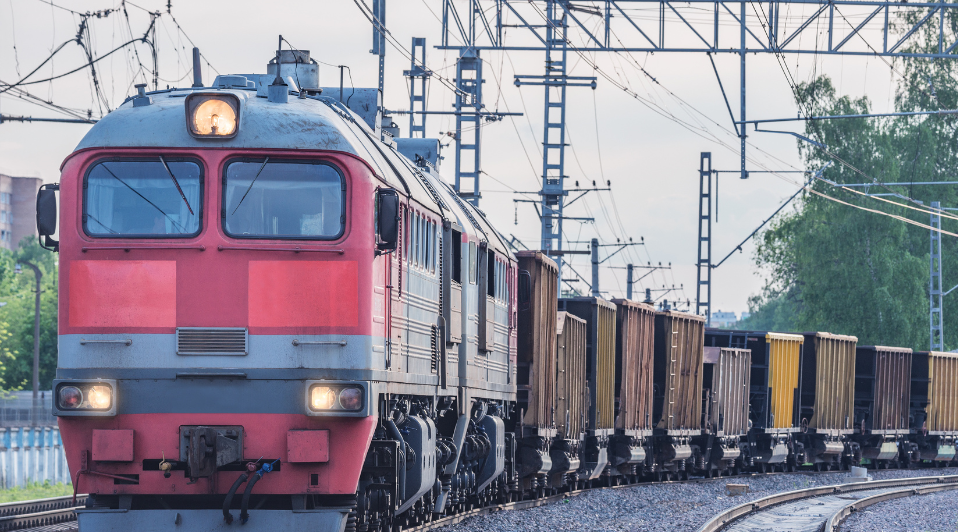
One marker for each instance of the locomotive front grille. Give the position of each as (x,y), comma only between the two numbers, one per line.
(212,341)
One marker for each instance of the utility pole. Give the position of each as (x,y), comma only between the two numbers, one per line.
(628,283)
(36,340)
(595,268)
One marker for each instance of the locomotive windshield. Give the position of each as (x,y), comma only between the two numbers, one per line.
(143,198)
(273,199)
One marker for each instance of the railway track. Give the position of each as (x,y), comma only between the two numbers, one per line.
(40,514)
(523,505)
(822,508)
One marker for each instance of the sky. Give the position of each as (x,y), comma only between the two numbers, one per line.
(647,142)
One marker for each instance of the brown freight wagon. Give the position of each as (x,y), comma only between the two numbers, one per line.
(882,396)
(572,393)
(725,384)
(827,399)
(677,372)
(934,406)
(634,352)
(726,376)
(572,386)
(599,316)
(535,363)
(536,349)
(677,396)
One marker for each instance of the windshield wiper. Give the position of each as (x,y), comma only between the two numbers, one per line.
(102,224)
(177,183)
(260,171)
(137,192)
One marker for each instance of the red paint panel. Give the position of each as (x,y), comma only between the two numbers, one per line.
(113,445)
(129,293)
(265,435)
(307,446)
(303,294)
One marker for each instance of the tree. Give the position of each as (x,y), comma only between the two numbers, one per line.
(833,267)
(17,317)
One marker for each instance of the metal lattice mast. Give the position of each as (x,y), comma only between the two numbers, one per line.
(555,81)
(379,39)
(468,123)
(417,87)
(934,282)
(704,264)
(553,136)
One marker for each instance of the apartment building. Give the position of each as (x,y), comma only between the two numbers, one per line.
(18,209)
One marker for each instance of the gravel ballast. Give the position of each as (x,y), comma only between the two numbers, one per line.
(670,507)
(935,512)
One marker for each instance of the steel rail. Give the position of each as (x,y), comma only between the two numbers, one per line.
(730,516)
(37,513)
(838,517)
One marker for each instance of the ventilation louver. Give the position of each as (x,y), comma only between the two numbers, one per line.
(211,341)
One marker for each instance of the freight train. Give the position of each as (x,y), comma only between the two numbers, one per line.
(274,315)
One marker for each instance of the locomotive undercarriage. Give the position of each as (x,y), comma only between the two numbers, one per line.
(427,459)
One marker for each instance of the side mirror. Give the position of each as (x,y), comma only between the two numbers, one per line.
(47,216)
(387,221)
(525,290)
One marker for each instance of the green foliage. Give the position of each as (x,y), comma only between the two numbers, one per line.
(34,491)
(17,316)
(832,267)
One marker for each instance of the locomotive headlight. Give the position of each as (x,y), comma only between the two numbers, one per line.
(351,398)
(100,397)
(84,398)
(212,115)
(325,398)
(70,397)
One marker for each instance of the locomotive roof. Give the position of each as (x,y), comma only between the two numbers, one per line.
(311,123)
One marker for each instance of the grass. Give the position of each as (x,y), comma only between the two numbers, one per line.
(35,490)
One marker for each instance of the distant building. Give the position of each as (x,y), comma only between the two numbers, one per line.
(744,316)
(18,209)
(722,319)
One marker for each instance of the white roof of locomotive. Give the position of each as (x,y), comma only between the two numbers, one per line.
(312,123)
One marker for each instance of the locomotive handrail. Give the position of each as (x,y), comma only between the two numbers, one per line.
(210,375)
(126,342)
(296,249)
(319,342)
(128,248)
(727,517)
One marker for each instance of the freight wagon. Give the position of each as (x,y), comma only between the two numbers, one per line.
(725,387)
(934,406)
(826,401)
(599,316)
(635,323)
(882,396)
(677,396)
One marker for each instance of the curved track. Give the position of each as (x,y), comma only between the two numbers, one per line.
(822,508)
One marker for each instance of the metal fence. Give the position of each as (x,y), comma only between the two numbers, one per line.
(16,410)
(31,454)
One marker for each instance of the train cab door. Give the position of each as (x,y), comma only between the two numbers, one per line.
(452,289)
(486,297)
